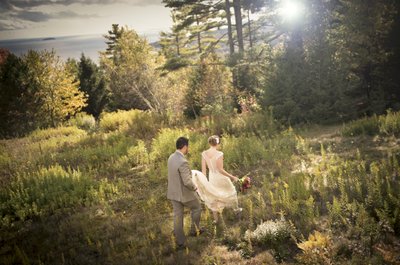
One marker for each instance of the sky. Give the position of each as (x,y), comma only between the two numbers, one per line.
(53,18)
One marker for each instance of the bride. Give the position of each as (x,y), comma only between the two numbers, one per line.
(218,191)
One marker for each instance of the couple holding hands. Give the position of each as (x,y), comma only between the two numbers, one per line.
(185,186)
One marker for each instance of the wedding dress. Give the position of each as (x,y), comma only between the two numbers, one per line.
(218,192)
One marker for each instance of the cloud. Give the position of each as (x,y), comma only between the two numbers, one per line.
(11,25)
(27,4)
(20,19)
(18,14)
(37,16)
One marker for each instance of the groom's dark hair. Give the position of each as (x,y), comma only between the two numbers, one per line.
(181,142)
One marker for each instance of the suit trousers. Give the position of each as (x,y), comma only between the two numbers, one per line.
(195,208)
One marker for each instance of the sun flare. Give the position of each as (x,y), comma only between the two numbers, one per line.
(291,10)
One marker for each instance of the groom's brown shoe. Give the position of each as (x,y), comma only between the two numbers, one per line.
(198,232)
(180,247)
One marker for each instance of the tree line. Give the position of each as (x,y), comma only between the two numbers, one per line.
(336,62)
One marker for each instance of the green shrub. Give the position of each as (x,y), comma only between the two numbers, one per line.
(271,232)
(5,158)
(242,152)
(62,131)
(164,145)
(316,250)
(137,123)
(83,121)
(114,121)
(49,189)
(284,145)
(390,123)
(137,155)
(254,123)
(29,152)
(364,126)
(97,154)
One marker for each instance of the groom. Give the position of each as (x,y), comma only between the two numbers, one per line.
(182,191)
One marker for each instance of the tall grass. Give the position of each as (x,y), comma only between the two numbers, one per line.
(62,131)
(126,218)
(388,124)
(48,190)
(83,121)
(136,123)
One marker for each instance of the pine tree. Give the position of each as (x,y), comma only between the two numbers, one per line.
(16,106)
(174,46)
(359,32)
(112,38)
(93,84)
(200,18)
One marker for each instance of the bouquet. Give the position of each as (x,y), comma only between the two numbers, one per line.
(244,183)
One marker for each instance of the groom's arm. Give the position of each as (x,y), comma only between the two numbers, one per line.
(186,175)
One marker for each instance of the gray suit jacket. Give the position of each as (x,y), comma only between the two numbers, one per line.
(180,185)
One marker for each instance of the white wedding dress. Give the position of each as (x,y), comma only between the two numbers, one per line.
(218,192)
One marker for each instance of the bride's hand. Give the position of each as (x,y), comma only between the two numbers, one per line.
(234,179)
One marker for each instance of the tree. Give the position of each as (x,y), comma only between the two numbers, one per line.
(16,104)
(359,33)
(54,90)
(131,74)
(92,83)
(238,21)
(209,89)
(36,91)
(113,35)
(174,46)
(4,53)
(391,78)
(200,18)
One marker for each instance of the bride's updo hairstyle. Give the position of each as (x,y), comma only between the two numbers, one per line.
(214,140)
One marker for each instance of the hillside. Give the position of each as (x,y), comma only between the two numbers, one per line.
(96,193)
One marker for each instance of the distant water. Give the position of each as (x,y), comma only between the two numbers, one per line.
(65,47)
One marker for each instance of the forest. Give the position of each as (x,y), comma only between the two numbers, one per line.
(305,97)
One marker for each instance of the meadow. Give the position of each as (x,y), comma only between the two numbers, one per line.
(94,192)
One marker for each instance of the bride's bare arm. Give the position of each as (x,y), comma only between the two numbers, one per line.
(220,167)
(203,166)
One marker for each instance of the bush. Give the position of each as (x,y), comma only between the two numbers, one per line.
(254,123)
(284,145)
(5,164)
(83,121)
(316,250)
(271,233)
(242,151)
(390,123)
(136,156)
(45,134)
(140,124)
(364,126)
(164,145)
(49,189)
(99,153)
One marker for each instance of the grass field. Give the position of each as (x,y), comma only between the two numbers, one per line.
(96,194)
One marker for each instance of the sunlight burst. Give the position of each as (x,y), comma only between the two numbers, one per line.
(291,10)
